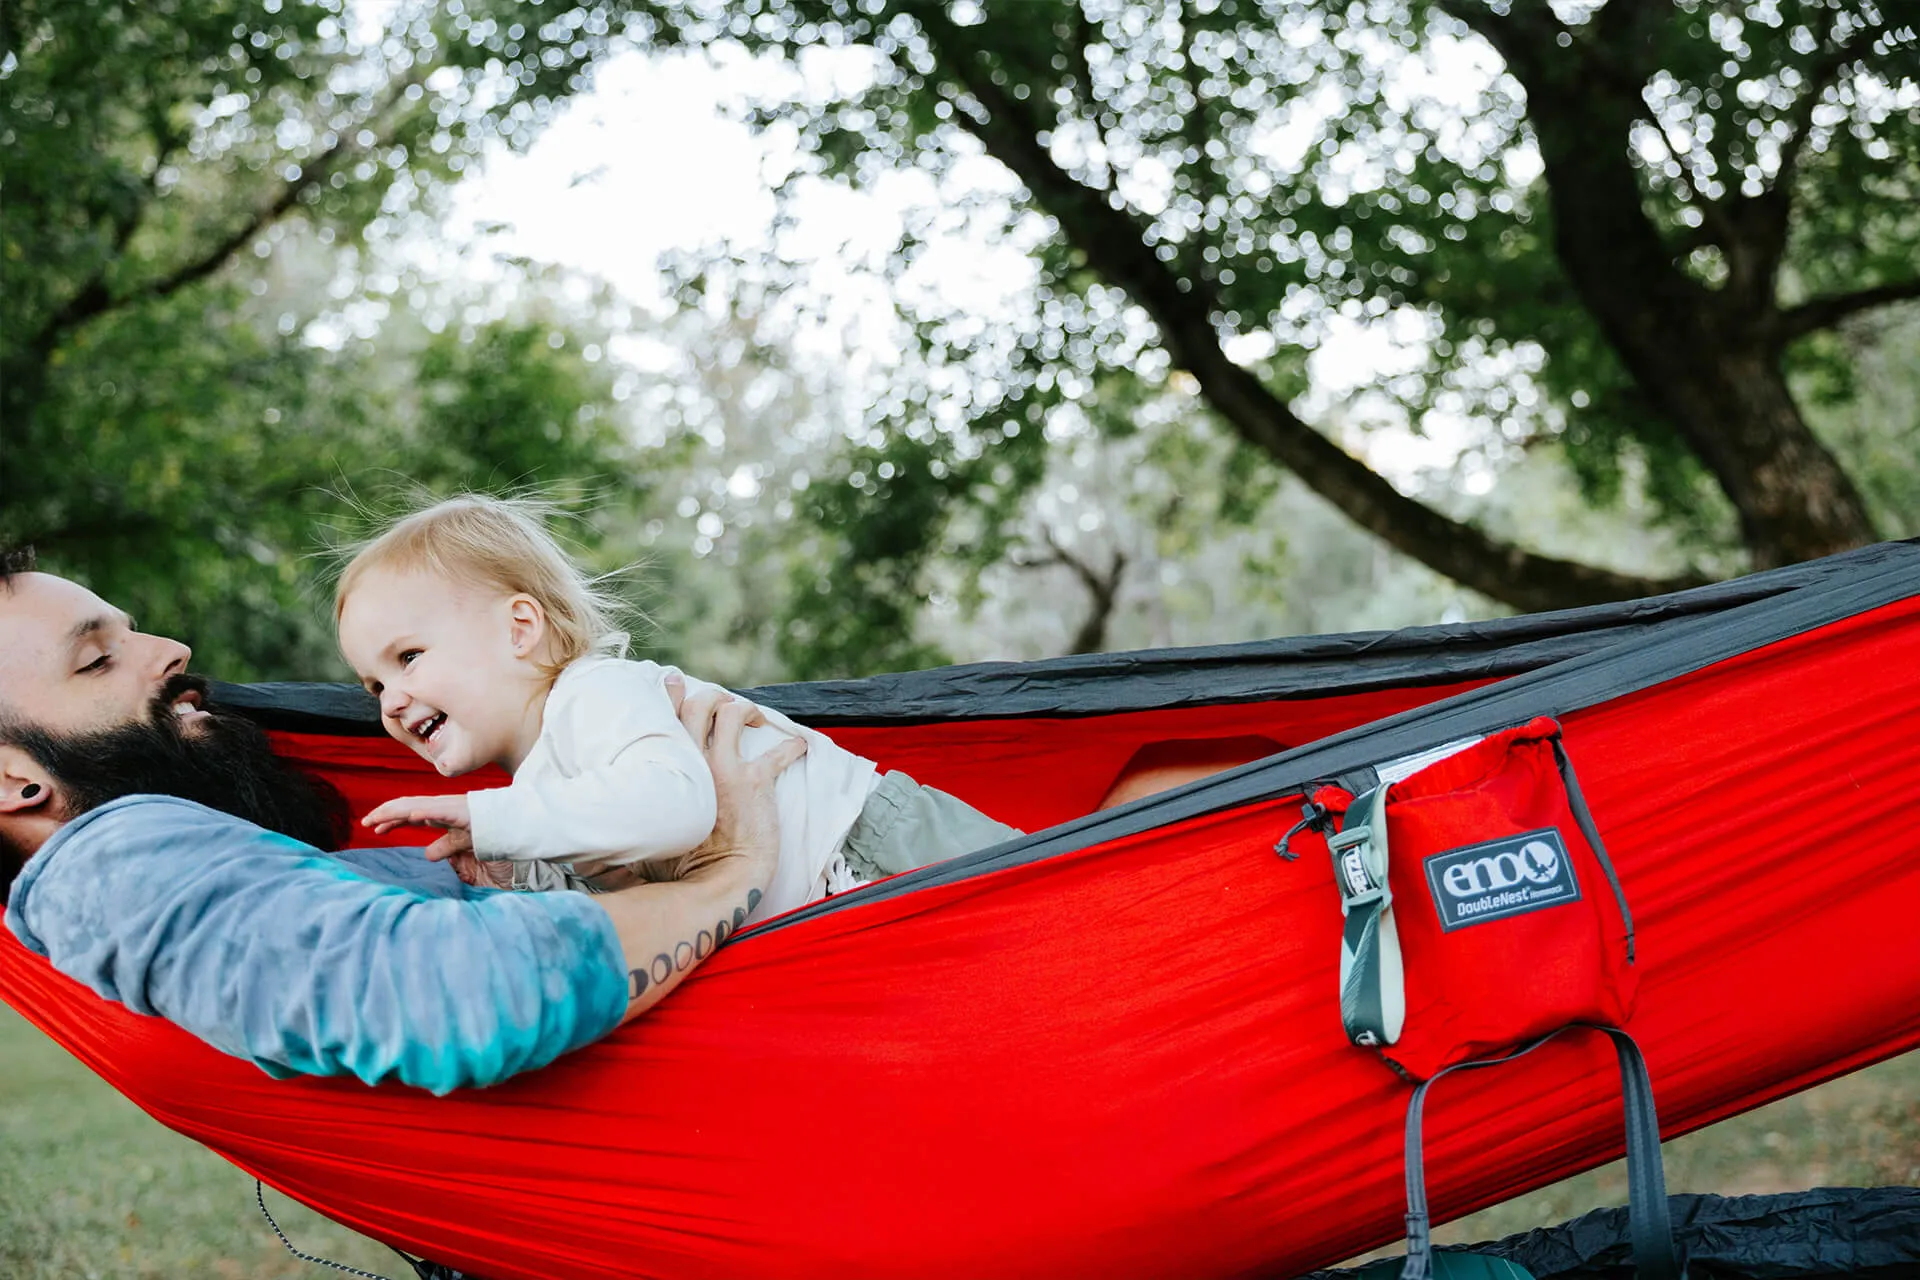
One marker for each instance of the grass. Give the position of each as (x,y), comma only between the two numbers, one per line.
(91,1189)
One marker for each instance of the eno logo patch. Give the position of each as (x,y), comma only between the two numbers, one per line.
(1501,878)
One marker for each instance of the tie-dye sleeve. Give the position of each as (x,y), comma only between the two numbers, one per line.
(305,963)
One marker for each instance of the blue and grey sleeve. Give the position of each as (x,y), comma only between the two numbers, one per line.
(379,966)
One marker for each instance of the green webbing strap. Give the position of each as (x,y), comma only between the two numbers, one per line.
(1373,993)
(1648,1223)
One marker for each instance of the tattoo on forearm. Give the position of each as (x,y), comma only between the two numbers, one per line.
(684,955)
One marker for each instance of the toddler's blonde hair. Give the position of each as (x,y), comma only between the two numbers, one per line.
(502,543)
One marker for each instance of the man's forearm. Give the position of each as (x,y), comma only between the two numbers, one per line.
(666,930)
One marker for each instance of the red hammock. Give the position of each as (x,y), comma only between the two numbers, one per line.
(1115,1049)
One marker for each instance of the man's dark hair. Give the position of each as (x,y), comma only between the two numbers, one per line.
(16,560)
(12,856)
(12,859)
(12,560)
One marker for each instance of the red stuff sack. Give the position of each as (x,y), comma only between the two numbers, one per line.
(1482,910)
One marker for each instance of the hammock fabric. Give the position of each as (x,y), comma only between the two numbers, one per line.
(1114,1048)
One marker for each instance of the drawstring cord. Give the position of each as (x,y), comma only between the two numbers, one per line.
(1316,817)
(260,1198)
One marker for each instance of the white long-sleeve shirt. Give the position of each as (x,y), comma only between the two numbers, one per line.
(616,779)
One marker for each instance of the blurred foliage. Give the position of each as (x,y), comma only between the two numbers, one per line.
(183,395)
(210,347)
(1272,175)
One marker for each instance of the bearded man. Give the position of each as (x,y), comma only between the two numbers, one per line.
(154,849)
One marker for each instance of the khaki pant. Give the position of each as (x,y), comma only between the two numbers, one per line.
(905,825)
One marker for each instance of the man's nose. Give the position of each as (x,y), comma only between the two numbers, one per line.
(169,657)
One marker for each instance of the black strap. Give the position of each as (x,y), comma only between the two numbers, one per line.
(1648,1223)
(1585,818)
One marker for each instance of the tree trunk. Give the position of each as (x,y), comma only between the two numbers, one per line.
(1710,359)
(1794,501)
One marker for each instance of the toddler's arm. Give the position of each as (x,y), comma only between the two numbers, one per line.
(642,790)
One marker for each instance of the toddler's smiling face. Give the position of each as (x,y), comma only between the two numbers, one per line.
(455,666)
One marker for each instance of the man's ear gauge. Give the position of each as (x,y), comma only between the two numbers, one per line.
(29,791)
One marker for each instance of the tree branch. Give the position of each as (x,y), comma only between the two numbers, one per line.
(1183,309)
(1476,18)
(1718,223)
(1083,33)
(1614,61)
(1200,172)
(264,217)
(1820,74)
(1526,32)
(1104,587)
(1094,580)
(96,299)
(1758,225)
(95,296)
(23,376)
(1824,313)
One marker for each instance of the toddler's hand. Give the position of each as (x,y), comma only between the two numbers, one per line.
(483,874)
(449,812)
(457,843)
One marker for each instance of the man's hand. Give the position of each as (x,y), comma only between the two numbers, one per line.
(447,812)
(748,823)
(667,929)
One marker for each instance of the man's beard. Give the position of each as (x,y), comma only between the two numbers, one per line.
(223,761)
